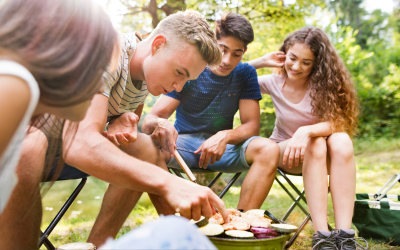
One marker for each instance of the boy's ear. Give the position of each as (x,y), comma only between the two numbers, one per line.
(158,43)
(245,50)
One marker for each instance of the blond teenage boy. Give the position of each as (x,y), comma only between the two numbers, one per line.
(178,50)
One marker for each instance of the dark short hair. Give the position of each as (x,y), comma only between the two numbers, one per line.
(235,25)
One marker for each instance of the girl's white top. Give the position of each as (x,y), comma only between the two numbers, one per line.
(9,159)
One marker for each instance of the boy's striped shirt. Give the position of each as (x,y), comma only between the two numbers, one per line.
(123,94)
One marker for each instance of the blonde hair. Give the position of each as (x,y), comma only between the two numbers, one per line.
(191,28)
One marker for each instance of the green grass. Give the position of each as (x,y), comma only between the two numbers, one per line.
(377,161)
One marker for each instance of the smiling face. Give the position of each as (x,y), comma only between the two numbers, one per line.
(232,53)
(169,68)
(299,62)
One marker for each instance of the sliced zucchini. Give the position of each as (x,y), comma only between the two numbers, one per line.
(200,223)
(212,229)
(239,234)
(284,228)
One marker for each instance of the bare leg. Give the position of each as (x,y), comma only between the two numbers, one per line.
(314,169)
(342,178)
(118,202)
(20,221)
(315,178)
(263,155)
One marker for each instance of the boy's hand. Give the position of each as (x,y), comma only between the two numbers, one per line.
(165,135)
(192,200)
(123,130)
(274,59)
(212,149)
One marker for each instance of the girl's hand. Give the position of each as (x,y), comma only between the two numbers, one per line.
(296,147)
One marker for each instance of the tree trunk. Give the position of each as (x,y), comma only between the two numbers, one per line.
(152,9)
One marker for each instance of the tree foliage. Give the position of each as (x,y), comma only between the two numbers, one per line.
(367,42)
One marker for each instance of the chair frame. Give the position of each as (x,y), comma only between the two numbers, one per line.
(44,235)
(224,191)
(296,202)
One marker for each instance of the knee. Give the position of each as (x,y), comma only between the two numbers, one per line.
(265,150)
(145,149)
(317,147)
(340,145)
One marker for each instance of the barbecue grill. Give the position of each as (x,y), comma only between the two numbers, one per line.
(224,242)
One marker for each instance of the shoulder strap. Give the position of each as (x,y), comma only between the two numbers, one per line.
(138,36)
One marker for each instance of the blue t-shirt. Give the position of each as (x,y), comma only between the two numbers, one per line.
(209,103)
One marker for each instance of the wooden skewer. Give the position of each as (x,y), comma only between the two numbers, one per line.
(185,168)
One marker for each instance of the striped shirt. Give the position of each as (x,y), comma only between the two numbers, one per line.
(123,94)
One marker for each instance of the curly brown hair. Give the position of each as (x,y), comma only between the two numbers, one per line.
(334,97)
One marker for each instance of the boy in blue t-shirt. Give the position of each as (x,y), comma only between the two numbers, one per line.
(203,133)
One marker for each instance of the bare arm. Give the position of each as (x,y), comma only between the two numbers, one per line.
(94,154)
(213,148)
(270,60)
(319,129)
(249,111)
(13,108)
(162,131)
(296,148)
(163,109)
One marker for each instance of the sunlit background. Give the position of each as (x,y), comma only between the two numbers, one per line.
(366,34)
(116,9)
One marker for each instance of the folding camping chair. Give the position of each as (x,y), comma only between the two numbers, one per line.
(223,192)
(44,235)
(296,202)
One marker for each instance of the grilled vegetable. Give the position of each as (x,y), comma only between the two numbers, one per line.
(239,234)
(200,223)
(284,228)
(261,230)
(212,229)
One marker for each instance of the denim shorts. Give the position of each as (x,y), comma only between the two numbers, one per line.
(232,161)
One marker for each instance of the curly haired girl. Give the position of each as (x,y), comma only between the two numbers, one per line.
(316,109)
